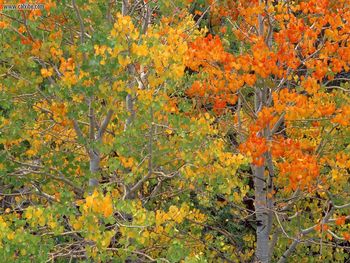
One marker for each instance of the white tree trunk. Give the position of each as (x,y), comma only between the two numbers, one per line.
(262,215)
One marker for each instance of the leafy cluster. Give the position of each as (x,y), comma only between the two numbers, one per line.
(175,131)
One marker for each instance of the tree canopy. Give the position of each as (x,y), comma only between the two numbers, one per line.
(175,131)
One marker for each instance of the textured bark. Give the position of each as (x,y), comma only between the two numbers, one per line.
(129,102)
(262,216)
(94,161)
(262,186)
(125,7)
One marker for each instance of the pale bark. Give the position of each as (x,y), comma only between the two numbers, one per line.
(262,215)
(125,7)
(95,135)
(263,184)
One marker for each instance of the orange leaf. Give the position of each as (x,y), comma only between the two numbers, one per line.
(340,221)
(346,236)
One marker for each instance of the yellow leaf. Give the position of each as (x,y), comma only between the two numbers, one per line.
(107,206)
(42,221)
(141,50)
(168,131)
(52,224)
(77,225)
(46,73)
(124,61)
(11,235)
(38,213)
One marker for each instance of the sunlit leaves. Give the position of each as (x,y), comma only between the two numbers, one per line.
(178,182)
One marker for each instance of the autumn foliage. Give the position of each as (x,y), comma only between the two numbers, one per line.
(175,131)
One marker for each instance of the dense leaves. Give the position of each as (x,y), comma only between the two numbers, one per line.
(175,131)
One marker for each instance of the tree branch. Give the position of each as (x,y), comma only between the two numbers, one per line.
(104,124)
(82,29)
(92,121)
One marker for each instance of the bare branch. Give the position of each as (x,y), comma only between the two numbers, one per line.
(82,29)
(278,123)
(92,120)
(104,124)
